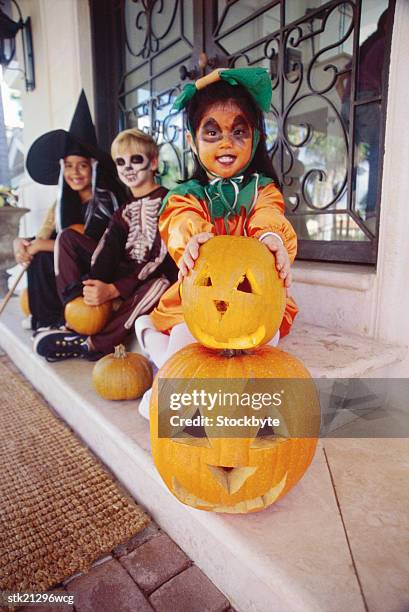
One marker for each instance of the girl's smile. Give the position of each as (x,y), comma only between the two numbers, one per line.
(224,140)
(77,172)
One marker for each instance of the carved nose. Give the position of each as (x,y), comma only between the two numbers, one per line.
(221,306)
(231,478)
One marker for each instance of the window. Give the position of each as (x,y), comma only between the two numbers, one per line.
(328,63)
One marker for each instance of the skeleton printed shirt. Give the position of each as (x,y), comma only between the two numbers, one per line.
(131,249)
(142,219)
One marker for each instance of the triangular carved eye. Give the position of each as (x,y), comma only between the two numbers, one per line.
(244,285)
(269,436)
(197,431)
(193,435)
(204,281)
(266,430)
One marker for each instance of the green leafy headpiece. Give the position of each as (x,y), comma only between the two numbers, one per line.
(256,80)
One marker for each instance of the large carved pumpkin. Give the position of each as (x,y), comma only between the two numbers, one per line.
(86,319)
(236,475)
(233,297)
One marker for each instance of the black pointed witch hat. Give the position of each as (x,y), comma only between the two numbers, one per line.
(82,127)
(43,158)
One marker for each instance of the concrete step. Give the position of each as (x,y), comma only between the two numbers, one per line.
(293,556)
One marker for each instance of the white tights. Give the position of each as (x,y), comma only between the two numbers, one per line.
(160,347)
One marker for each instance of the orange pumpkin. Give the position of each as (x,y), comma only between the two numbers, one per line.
(233,298)
(241,474)
(86,319)
(78,227)
(24,304)
(122,375)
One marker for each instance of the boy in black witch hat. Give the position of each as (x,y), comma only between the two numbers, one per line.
(88,195)
(129,262)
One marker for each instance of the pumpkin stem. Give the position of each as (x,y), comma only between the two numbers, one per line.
(120,352)
(234,352)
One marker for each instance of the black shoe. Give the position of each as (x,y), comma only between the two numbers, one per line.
(48,328)
(62,345)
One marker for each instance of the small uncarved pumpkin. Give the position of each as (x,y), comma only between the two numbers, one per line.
(24,305)
(233,298)
(234,474)
(122,375)
(78,227)
(86,319)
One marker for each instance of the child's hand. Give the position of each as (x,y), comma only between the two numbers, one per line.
(192,253)
(97,292)
(36,246)
(283,263)
(21,253)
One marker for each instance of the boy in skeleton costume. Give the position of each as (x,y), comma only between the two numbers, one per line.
(129,262)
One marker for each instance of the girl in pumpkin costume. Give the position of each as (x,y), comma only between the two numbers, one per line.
(232,191)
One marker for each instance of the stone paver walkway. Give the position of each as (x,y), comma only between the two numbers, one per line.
(149,572)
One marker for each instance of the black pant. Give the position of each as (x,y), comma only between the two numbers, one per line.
(74,252)
(45,305)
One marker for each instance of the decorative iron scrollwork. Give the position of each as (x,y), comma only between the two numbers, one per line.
(304,75)
(312,130)
(164,49)
(144,22)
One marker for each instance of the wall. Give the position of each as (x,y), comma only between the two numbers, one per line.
(392,291)
(354,298)
(63,65)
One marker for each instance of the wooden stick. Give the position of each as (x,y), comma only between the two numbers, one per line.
(208,79)
(11,291)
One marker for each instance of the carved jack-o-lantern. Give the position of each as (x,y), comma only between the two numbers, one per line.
(233,297)
(236,475)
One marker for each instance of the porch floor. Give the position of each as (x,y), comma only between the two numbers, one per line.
(337,541)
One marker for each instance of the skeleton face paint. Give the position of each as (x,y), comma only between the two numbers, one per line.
(134,170)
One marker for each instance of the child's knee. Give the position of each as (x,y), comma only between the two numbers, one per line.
(70,237)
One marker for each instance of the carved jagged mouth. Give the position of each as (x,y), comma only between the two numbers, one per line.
(241,342)
(257,503)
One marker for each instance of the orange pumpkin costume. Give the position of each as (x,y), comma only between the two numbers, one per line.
(186,216)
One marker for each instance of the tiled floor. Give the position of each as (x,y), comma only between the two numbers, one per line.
(371,482)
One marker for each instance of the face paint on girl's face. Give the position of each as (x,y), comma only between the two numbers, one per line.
(224,140)
(133,169)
